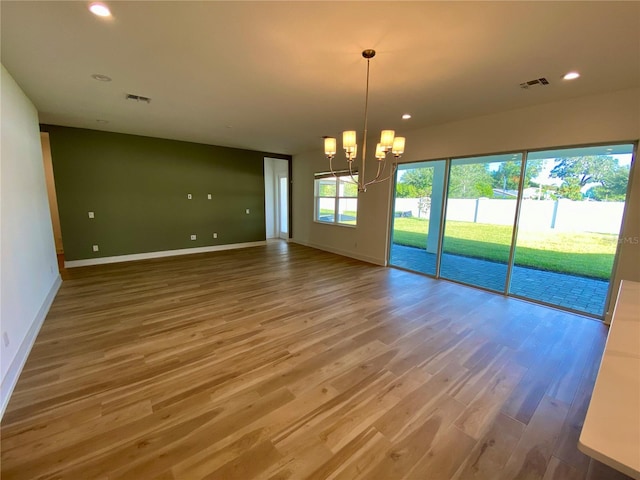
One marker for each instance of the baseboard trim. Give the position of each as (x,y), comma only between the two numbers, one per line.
(165,253)
(13,373)
(343,253)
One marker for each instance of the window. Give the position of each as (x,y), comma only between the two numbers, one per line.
(336,199)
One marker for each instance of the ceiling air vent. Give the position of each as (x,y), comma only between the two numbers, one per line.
(532,83)
(138,98)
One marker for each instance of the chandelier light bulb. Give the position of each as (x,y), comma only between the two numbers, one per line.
(330,146)
(386,139)
(398,146)
(352,153)
(348,140)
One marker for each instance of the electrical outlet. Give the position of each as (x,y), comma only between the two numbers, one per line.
(208,196)
(5,339)
(215,235)
(91,215)
(247,211)
(95,248)
(193,237)
(189,197)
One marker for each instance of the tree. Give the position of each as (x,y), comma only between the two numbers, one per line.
(585,169)
(579,172)
(613,187)
(570,189)
(507,175)
(470,181)
(405,191)
(415,183)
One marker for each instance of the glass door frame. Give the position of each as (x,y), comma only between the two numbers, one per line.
(517,217)
(516,223)
(443,208)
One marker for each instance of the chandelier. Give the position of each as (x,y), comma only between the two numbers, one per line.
(388,143)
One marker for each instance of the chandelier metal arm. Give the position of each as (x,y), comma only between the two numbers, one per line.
(352,177)
(388,143)
(381,167)
(335,174)
(361,184)
(391,174)
(331,167)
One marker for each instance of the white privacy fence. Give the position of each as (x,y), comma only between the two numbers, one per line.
(567,215)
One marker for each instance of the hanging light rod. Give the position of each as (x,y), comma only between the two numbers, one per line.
(388,143)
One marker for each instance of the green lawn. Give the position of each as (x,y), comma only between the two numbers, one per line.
(349,213)
(580,253)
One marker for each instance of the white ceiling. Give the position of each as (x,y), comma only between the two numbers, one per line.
(276,76)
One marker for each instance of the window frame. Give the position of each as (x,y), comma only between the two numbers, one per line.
(343,177)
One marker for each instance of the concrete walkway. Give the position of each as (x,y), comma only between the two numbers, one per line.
(569,291)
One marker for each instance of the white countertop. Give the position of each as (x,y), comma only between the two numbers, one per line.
(611,431)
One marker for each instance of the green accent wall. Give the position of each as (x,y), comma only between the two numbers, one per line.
(138,186)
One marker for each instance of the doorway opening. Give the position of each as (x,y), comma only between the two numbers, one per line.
(276,204)
(53,199)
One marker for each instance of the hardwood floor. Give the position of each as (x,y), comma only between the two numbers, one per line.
(284,362)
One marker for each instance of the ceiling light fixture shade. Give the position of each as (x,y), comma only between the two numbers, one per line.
(388,143)
(330,146)
(398,146)
(100,9)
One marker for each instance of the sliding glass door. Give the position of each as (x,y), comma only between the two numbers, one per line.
(539,225)
(415,231)
(570,218)
(478,227)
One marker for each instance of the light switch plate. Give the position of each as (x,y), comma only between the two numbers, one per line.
(91,215)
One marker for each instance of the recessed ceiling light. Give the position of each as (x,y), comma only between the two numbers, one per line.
(100,120)
(100,9)
(100,77)
(406,116)
(571,76)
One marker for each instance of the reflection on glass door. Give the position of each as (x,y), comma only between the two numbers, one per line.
(570,218)
(417,212)
(480,214)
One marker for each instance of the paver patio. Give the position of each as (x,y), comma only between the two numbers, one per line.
(569,291)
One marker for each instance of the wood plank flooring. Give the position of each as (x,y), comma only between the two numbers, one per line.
(284,362)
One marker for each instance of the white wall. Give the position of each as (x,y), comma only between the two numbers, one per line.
(608,117)
(29,277)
